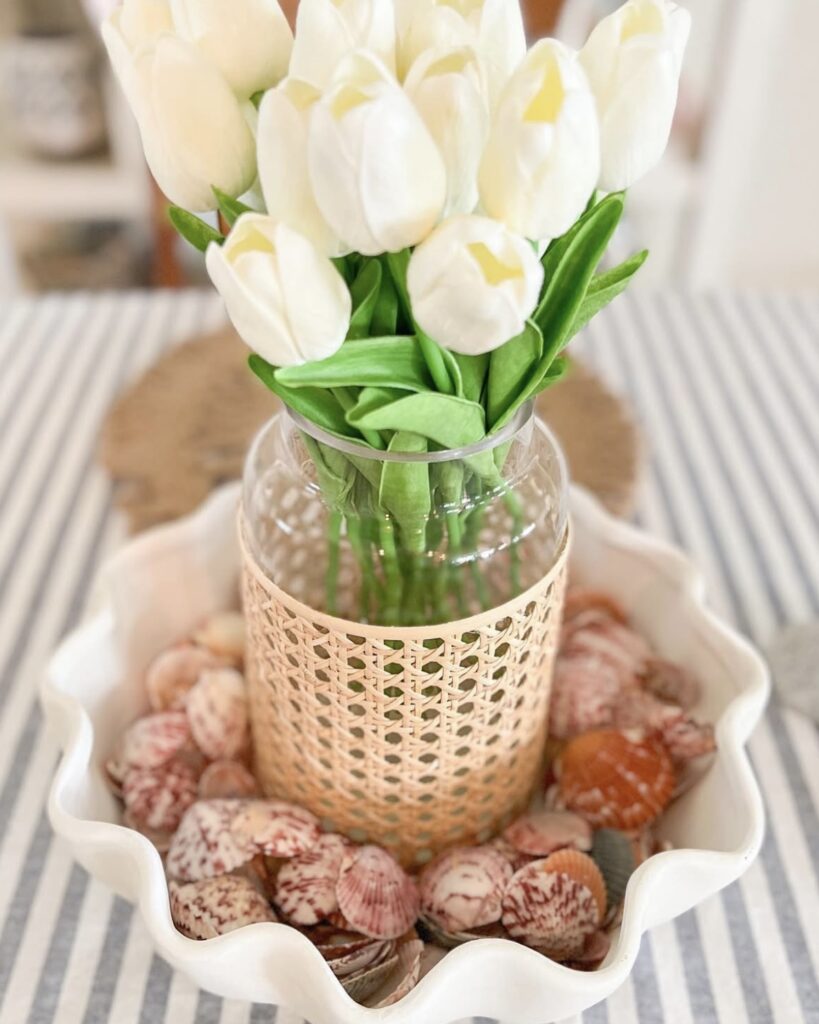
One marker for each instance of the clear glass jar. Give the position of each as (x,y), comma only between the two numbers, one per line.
(403,538)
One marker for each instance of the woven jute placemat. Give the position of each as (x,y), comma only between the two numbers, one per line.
(184,428)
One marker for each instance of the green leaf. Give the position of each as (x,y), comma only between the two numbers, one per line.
(473,374)
(398,263)
(385,315)
(404,490)
(370,362)
(510,370)
(558,248)
(606,287)
(231,209)
(193,229)
(336,477)
(449,421)
(364,292)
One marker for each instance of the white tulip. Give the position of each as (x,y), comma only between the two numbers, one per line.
(493,27)
(633,60)
(142,21)
(327,30)
(194,130)
(285,298)
(284,116)
(448,88)
(542,160)
(377,175)
(472,284)
(249,41)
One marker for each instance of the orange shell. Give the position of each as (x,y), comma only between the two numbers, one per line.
(614,780)
(583,870)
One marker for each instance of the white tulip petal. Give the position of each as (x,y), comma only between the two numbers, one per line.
(327,30)
(143,21)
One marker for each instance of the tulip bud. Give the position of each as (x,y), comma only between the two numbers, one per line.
(472,284)
(448,88)
(194,130)
(326,30)
(285,298)
(142,21)
(377,175)
(249,41)
(633,60)
(542,160)
(281,147)
(493,27)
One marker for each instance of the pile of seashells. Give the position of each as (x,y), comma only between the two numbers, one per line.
(622,746)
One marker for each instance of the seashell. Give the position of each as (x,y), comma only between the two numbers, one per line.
(404,977)
(262,872)
(217,713)
(615,780)
(583,870)
(306,885)
(671,683)
(542,832)
(585,689)
(613,853)
(275,828)
(687,740)
(550,911)
(157,798)
(684,738)
(463,888)
(225,779)
(205,845)
(610,641)
(375,894)
(594,952)
(368,980)
(153,740)
(115,770)
(506,850)
(161,840)
(173,673)
(584,599)
(223,634)
(433,932)
(215,906)
(347,951)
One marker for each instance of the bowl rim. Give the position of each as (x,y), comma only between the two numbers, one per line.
(65,709)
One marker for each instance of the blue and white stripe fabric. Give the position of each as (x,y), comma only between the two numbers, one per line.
(726,390)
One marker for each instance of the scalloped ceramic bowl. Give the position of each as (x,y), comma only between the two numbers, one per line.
(160,585)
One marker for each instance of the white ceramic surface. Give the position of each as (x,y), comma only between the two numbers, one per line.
(161,584)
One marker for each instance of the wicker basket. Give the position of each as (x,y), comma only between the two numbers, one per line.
(416,739)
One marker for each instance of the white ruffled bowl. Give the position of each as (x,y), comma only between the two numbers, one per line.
(163,583)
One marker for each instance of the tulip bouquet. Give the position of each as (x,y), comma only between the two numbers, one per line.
(415,209)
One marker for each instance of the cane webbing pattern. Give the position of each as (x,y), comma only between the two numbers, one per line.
(415,739)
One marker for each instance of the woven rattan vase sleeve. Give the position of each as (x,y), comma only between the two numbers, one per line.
(415,739)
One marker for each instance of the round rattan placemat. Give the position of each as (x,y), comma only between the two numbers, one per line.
(184,427)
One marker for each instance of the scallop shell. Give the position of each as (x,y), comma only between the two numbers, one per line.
(542,832)
(223,634)
(275,828)
(174,672)
(463,888)
(215,906)
(508,852)
(683,737)
(433,932)
(687,740)
(615,780)
(217,712)
(594,952)
(225,779)
(583,870)
(347,952)
(549,910)
(161,840)
(404,977)
(613,852)
(672,683)
(584,599)
(153,740)
(375,894)
(205,845)
(157,798)
(624,649)
(585,689)
(306,885)
(368,980)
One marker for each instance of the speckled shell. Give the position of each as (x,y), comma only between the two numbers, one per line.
(174,672)
(549,910)
(626,651)
(306,885)
(684,738)
(215,906)
(275,828)
(583,870)
(368,980)
(153,740)
(687,740)
(542,832)
(217,713)
(403,978)
(594,952)
(161,840)
(463,888)
(157,798)
(223,634)
(225,779)
(205,845)
(671,683)
(585,689)
(613,852)
(375,894)
(615,780)
(347,952)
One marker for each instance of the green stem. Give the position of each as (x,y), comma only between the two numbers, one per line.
(357,544)
(333,557)
(455,538)
(512,502)
(346,400)
(434,359)
(392,573)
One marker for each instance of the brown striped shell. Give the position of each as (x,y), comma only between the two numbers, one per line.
(463,888)
(154,739)
(205,845)
(215,906)
(275,828)
(306,885)
(157,798)
(218,715)
(375,895)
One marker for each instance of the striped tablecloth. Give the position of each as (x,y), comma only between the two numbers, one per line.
(726,389)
